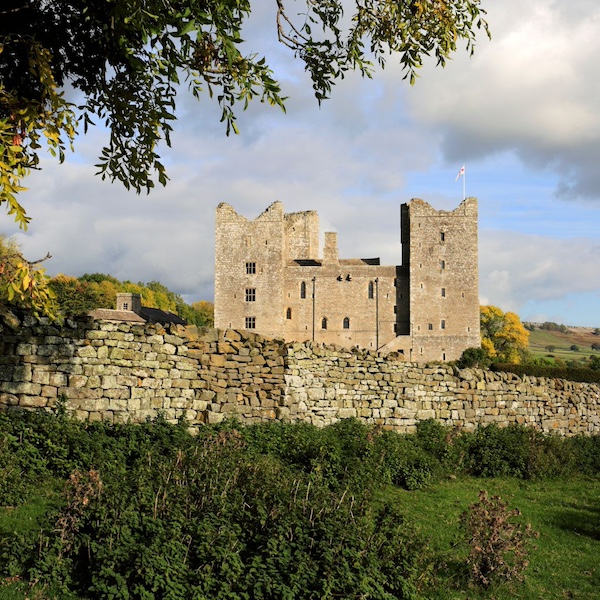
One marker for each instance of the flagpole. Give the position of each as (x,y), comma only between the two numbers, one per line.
(464,184)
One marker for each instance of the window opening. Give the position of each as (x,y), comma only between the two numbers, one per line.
(250,268)
(346,323)
(250,322)
(303,290)
(324,323)
(250,294)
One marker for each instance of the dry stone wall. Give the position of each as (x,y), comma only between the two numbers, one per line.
(124,371)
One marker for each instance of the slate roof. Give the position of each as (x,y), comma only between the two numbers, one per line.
(110,314)
(148,315)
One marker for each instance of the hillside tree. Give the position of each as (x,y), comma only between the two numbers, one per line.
(126,60)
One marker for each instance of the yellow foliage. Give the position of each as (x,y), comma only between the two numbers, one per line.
(503,335)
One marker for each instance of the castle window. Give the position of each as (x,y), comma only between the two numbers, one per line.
(288,313)
(346,323)
(371,290)
(442,236)
(430,326)
(303,290)
(395,310)
(250,295)
(443,356)
(442,264)
(443,324)
(250,322)
(125,305)
(324,323)
(443,292)
(250,268)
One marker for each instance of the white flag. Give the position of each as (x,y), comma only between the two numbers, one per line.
(460,173)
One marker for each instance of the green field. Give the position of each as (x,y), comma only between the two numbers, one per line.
(583,337)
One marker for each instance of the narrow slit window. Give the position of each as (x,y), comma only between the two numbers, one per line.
(324,323)
(346,323)
(288,313)
(371,290)
(303,289)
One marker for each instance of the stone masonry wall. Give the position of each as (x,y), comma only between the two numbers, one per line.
(124,371)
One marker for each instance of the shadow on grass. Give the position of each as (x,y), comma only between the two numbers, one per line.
(580,520)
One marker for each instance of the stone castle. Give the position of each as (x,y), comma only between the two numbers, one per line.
(271,278)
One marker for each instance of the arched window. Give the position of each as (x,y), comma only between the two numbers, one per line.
(288,313)
(324,323)
(303,290)
(371,290)
(346,323)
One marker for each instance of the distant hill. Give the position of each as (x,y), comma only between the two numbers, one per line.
(582,337)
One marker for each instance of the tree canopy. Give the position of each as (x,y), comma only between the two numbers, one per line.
(76,296)
(502,335)
(127,60)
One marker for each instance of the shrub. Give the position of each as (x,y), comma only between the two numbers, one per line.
(474,358)
(497,542)
(516,451)
(218,521)
(399,460)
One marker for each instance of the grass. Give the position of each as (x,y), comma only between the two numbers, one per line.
(564,563)
(540,340)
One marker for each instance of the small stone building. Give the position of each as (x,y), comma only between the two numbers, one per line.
(130,309)
(271,277)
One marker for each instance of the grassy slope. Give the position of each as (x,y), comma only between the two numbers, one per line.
(583,337)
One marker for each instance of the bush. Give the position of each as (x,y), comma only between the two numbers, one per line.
(474,358)
(560,371)
(516,451)
(497,542)
(398,460)
(219,521)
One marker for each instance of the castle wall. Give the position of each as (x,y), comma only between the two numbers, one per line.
(363,294)
(125,371)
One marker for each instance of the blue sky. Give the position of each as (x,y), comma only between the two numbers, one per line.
(521,114)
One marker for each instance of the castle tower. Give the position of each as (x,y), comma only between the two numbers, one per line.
(249,269)
(439,252)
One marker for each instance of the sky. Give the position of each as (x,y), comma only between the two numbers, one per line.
(522,115)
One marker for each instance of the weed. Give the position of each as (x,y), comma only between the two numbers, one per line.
(497,542)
